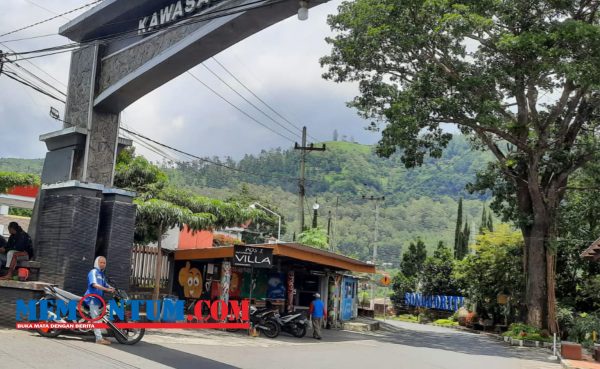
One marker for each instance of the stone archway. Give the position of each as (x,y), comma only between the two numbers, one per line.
(129,48)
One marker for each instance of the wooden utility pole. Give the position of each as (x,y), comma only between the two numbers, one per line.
(301,189)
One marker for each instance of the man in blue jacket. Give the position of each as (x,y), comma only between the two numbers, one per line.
(318,313)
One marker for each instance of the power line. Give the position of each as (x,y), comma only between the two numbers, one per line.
(206,160)
(30,38)
(16,78)
(46,9)
(256,96)
(35,66)
(237,108)
(134,33)
(40,80)
(49,19)
(248,101)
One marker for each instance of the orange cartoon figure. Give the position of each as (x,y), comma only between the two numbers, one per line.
(191,281)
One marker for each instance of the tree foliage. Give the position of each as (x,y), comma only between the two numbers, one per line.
(495,268)
(488,67)
(316,237)
(437,273)
(413,259)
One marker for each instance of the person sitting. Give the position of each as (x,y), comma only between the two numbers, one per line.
(19,247)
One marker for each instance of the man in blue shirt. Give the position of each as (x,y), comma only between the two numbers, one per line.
(97,285)
(318,313)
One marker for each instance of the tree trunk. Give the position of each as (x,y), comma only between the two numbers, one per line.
(536,286)
(156,292)
(551,283)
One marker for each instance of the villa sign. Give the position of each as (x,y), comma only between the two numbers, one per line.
(173,12)
(256,257)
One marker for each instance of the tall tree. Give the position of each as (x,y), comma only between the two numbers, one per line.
(412,261)
(437,274)
(457,231)
(484,220)
(520,77)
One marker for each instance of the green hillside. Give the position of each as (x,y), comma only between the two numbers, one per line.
(418,202)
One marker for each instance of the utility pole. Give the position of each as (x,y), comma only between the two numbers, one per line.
(301,189)
(329,230)
(1,61)
(376,199)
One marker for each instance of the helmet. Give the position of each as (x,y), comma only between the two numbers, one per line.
(317,295)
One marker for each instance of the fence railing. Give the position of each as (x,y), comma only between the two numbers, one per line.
(143,265)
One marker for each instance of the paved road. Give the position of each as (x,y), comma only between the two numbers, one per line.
(398,346)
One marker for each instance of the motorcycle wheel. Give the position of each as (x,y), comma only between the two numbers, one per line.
(49,333)
(299,331)
(133,336)
(272,329)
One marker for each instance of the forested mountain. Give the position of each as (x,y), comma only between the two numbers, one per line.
(419,202)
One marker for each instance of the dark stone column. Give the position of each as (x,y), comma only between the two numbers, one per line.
(115,235)
(66,234)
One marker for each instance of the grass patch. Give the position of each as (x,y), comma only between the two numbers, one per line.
(446,322)
(406,318)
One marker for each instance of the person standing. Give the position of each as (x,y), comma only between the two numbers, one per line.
(97,285)
(318,313)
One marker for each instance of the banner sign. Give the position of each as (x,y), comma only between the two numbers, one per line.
(249,256)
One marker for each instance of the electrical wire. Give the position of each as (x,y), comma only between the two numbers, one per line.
(46,9)
(249,102)
(134,33)
(49,19)
(35,66)
(204,159)
(237,108)
(254,94)
(16,78)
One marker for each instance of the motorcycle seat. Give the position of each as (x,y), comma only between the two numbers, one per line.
(67,295)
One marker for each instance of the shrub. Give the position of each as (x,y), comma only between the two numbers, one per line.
(582,328)
(522,331)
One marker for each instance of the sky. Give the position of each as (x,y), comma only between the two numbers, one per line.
(279,64)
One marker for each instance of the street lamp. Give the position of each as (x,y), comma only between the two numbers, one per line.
(315,209)
(303,10)
(254,205)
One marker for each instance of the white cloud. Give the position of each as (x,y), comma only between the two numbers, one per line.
(280,64)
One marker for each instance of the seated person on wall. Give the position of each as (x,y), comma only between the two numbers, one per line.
(19,247)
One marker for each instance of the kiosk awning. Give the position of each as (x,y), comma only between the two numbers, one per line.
(290,250)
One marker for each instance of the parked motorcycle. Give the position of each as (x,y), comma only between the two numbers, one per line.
(264,320)
(294,323)
(128,336)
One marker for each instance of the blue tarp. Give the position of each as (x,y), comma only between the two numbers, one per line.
(451,303)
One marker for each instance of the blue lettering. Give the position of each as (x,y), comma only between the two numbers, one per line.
(153,310)
(170,307)
(115,308)
(66,309)
(135,309)
(29,310)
